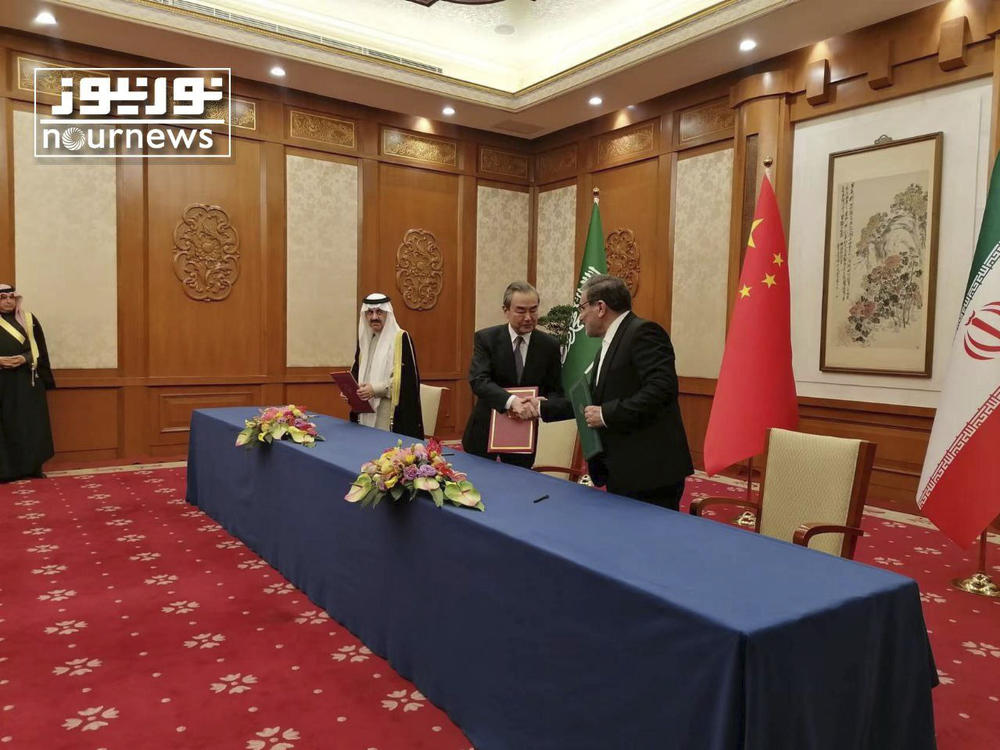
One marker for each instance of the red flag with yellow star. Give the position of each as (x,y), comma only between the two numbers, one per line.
(756,388)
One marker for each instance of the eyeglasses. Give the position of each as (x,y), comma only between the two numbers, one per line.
(583,306)
(7,295)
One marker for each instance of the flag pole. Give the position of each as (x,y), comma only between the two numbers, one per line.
(748,519)
(980,582)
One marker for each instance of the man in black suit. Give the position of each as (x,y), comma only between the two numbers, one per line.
(511,355)
(635,409)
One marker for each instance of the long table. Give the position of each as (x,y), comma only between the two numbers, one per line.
(586,620)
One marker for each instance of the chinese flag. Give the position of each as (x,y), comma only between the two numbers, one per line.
(756,388)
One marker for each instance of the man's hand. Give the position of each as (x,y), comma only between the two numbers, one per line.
(523,408)
(366,391)
(593,416)
(11,362)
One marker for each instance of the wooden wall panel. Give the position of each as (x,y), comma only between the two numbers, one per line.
(172,407)
(629,201)
(317,398)
(189,337)
(96,408)
(411,198)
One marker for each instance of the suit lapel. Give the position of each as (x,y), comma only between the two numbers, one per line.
(612,351)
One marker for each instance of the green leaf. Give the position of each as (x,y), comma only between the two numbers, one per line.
(463,493)
(396,492)
(438,497)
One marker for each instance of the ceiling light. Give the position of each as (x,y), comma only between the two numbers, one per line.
(278,72)
(595,101)
(448,111)
(45,19)
(747,44)
(505,29)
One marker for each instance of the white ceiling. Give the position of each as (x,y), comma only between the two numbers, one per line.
(528,83)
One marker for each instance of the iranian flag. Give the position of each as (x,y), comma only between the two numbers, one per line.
(960,484)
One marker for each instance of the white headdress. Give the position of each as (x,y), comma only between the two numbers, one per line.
(380,370)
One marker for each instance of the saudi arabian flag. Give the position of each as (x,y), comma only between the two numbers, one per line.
(960,484)
(580,348)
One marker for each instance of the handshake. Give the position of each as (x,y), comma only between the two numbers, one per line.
(525,408)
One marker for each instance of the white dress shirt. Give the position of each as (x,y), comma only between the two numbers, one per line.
(524,353)
(609,335)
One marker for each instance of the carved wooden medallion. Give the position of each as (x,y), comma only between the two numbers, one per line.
(623,257)
(206,253)
(419,269)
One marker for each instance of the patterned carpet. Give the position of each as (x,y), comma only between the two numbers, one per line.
(129,619)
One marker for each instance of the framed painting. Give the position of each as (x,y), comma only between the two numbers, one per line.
(880,264)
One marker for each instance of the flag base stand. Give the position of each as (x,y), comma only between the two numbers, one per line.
(747,520)
(978,583)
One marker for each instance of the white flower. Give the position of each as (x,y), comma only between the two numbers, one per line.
(164,490)
(354,653)
(31,516)
(944,678)
(209,527)
(279,588)
(145,556)
(23,492)
(153,481)
(76,667)
(927,550)
(929,598)
(118,522)
(66,627)
(92,718)
(99,496)
(49,570)
(109,508)
(26,503)
(176,501)
(981,649)
(91,485)
(131,538)
(255,564)
(44,549)
(56,595)
(312,617)
(229,544)
(234,683)
(180,608)
(161,580)
(273,739)
(893,525)
(888,561)
(36,530)
(192,514)
(205,640)
(399,698)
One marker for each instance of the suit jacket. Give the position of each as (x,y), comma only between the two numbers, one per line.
(492,370)
(645,446)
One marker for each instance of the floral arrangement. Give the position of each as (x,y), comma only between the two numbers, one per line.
(279,423)
(402,472)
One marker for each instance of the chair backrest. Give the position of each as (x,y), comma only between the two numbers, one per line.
(556,445)
(814,479)
(430,403)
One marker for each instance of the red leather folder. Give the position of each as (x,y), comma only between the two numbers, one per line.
(349,387)
(509,435)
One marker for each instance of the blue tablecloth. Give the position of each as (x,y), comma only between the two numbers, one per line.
(587,620)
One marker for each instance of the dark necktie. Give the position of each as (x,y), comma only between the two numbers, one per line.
(518,358)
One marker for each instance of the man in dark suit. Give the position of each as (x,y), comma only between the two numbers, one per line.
(511,355)
(635,409)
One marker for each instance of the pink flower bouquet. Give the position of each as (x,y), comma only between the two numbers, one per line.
(402,472)
(279,423)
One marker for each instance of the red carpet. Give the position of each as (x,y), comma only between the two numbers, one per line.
(129,619)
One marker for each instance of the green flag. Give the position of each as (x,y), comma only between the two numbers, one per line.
(581,349)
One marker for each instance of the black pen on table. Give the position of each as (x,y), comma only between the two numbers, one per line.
(538,500)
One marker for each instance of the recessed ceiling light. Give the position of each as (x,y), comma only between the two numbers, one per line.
(45,19)
(747,44)
(278,72)
(595,101)
(448,111)
(505,29)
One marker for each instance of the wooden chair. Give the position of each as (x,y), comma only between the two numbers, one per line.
(811,485)
(430,403)
(556,450)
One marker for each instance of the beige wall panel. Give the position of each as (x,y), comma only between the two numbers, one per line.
(701,261)
(66,256)
(555,275)
(322,309)
(962,113)
(502,240)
